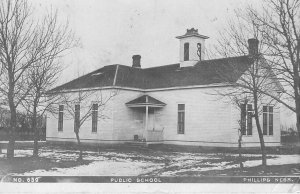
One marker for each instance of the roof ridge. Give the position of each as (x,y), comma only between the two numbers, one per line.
(116,74)
(96,70)
(225,58)
(162,66)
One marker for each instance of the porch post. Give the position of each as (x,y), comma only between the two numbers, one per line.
(146,122)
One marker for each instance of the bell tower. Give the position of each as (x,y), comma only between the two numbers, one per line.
(192,47)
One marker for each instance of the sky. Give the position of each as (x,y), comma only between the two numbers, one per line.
(111,31)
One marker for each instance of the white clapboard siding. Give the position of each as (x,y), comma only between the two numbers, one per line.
(209,120)
(104,128)
(127,121)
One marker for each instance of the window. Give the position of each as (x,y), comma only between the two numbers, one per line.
(249,119)
(186,51)
(94,118)
(268,120)
(181,112)
(246,119)
(77,117)
(60,117)
(199,51)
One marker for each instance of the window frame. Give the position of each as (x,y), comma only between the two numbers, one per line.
(199,50)
(60,127)
(246,130)
(268,112)
(249,127)
(180,119)
(186,51)
(76,116)
(95,116)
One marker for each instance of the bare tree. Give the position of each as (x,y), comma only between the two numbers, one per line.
(43,75)
(278,22)
(25,41)
(258,80)
(254,76)
(82,106)
(248,86)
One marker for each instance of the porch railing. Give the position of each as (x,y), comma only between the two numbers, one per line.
(154,135)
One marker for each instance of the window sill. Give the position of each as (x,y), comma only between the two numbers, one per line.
(94,132)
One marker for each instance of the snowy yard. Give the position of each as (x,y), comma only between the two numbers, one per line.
(149,162)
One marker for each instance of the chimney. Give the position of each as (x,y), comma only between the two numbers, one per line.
(253,46)
(136,61)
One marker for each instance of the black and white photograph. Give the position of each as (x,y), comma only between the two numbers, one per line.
(151,92)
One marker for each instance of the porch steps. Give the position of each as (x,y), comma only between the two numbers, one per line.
(136,144)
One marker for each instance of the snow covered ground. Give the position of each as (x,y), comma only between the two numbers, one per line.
(99,168)
(20,142)
(133,163)
(277,160)
(193,167)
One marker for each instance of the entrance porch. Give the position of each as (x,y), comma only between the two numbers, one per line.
(151,132)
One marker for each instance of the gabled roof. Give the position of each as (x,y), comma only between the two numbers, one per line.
(145,100)
(203,73)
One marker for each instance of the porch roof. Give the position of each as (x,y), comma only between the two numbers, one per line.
(145,100)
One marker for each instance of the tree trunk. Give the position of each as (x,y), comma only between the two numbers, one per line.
(240,149)
(79,146)
(298,116)
(296,88)
(36,132)
(13,113)
(260,134)
(36,144)
(12,131)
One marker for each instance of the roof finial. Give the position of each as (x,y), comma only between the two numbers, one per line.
(191,31)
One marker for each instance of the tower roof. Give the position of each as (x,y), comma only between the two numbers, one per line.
(192,32)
